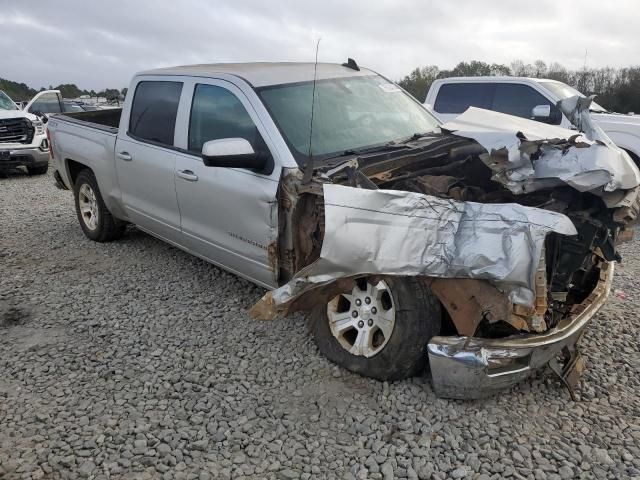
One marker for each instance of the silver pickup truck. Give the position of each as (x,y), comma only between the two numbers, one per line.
(481,247)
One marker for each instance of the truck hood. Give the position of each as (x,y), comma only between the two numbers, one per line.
(617,118)
(4,114)
(526,156)
(621,126)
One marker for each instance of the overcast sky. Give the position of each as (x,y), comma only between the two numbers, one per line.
(101,44)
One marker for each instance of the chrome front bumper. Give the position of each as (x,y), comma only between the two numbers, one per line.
(26,156)
(469,367)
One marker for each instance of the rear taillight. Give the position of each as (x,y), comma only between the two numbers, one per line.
(50,144)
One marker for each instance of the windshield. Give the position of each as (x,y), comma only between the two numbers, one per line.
(6,103)
(349,113)
(562,91)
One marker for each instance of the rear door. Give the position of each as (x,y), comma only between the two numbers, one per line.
(229,215)
(146,156)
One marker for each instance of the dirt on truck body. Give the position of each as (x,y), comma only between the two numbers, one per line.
(511,224)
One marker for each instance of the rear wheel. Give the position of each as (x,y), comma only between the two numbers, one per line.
(380,329)
(96,221)
(39,170)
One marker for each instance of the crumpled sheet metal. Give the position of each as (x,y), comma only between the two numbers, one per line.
(526,155)
(389,232)
(576,109)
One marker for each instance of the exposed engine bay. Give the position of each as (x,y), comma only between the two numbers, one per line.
(513,187)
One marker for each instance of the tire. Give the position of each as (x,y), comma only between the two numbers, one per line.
(40,170)
(402,355)
(95,219)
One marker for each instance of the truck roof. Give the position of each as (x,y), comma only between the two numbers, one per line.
(260,74)
(501,78)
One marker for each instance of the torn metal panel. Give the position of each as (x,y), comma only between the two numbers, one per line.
(576,109)
(526,155)
(267,309)
(469,301)
(388,232)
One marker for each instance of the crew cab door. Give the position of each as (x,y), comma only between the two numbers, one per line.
(146,156)
(228,215)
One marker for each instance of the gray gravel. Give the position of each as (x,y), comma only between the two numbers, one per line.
(135,360)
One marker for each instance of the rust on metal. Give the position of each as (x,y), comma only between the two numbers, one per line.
(468,301)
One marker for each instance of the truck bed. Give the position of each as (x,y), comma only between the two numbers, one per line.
(107,120)
(87,139)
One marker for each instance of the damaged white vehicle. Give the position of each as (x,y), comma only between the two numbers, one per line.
(481,248)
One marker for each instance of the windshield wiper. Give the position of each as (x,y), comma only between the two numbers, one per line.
(413,138)
(389,146)
(362,151)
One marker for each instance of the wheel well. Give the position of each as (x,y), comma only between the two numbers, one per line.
(633,156)
(74,170)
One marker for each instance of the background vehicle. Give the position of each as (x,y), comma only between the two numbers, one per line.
(45,102)
(51,102)
(221,161)
(70,106)
(88,108)
(533,98)
(23,141)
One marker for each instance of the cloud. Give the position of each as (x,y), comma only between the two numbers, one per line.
(98,45)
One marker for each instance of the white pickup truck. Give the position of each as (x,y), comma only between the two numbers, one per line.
(408,241)
(534,98)
(23,141)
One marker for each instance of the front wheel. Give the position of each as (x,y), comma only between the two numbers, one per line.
(380,329)
(95,219)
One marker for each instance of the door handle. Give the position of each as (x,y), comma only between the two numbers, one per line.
(188,175)
(124,156)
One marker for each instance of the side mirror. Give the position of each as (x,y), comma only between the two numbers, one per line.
(43,118)
(234,153)
(541,112)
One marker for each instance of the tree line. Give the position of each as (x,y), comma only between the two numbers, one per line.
(617,89)
(20,92)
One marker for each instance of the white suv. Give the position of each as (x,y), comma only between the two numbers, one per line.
(533,98)
(23,140)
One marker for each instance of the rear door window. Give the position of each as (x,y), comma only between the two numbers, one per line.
(457,97)
(154,110)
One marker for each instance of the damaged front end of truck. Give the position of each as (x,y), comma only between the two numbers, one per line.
(510,223)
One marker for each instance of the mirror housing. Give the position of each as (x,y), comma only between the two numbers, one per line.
(541,112)
(235,153)
(43,117)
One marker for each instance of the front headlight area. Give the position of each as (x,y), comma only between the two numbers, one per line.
(38,126)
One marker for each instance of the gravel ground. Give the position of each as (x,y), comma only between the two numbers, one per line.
(136,360)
